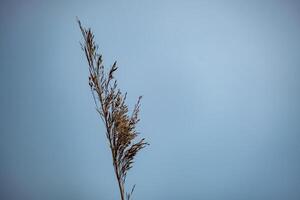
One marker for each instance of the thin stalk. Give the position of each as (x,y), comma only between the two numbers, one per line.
(121,186)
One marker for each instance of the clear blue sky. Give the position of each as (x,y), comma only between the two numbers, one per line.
(220,81)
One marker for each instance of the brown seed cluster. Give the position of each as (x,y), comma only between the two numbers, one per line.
(110,104)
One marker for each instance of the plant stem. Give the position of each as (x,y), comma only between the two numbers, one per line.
(121,188)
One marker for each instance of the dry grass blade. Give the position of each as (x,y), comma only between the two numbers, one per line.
(110,104)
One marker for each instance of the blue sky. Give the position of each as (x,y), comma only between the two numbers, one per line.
(220,82)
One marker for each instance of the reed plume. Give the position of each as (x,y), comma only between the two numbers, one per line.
(120,126)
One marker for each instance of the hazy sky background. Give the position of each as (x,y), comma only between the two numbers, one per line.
(220,81)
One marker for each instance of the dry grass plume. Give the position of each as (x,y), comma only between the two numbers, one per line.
(120,126)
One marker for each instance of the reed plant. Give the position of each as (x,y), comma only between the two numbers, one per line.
(120,125)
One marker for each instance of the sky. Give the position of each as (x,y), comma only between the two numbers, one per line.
(220,109)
